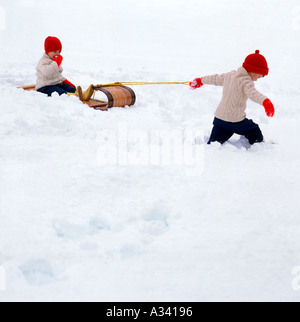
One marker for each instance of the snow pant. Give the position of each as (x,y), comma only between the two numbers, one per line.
(223,131)
(59,88)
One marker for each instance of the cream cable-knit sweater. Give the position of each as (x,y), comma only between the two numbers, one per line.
(237,88)
(48,73)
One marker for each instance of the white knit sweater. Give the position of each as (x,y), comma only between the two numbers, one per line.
(48,73)
(237,88)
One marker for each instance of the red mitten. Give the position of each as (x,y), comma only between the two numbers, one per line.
(196,83)
(58,59)
(269,107)
(69,83)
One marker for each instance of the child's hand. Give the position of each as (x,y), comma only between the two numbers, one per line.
(269,108)
(58,59)
(69,83)
(196,83)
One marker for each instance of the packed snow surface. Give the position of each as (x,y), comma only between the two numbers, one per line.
(131,204)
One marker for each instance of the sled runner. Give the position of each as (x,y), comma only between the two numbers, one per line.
(117,95)
(28,87)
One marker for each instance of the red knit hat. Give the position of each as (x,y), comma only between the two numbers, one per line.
(52,44)
(256,63)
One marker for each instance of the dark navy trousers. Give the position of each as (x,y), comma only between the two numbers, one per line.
(59,88)
(223,131)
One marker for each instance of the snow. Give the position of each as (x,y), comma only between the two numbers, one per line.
(98,206)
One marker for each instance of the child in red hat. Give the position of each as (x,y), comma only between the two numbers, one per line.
(238,86)
(49,70)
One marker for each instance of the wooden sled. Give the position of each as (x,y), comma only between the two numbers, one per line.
(28,87)
(117,96)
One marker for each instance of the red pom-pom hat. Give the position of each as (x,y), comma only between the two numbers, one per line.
(52,44)
(256,63)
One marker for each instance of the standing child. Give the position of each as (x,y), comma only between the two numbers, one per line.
(49,69)
(238,86)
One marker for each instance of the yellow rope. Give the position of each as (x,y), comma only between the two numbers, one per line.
(143,83)
(91,92)
(93,96)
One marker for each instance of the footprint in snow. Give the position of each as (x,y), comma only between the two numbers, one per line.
(66,229)
(155,221)
(154,227)
(37,272)
(69,230)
